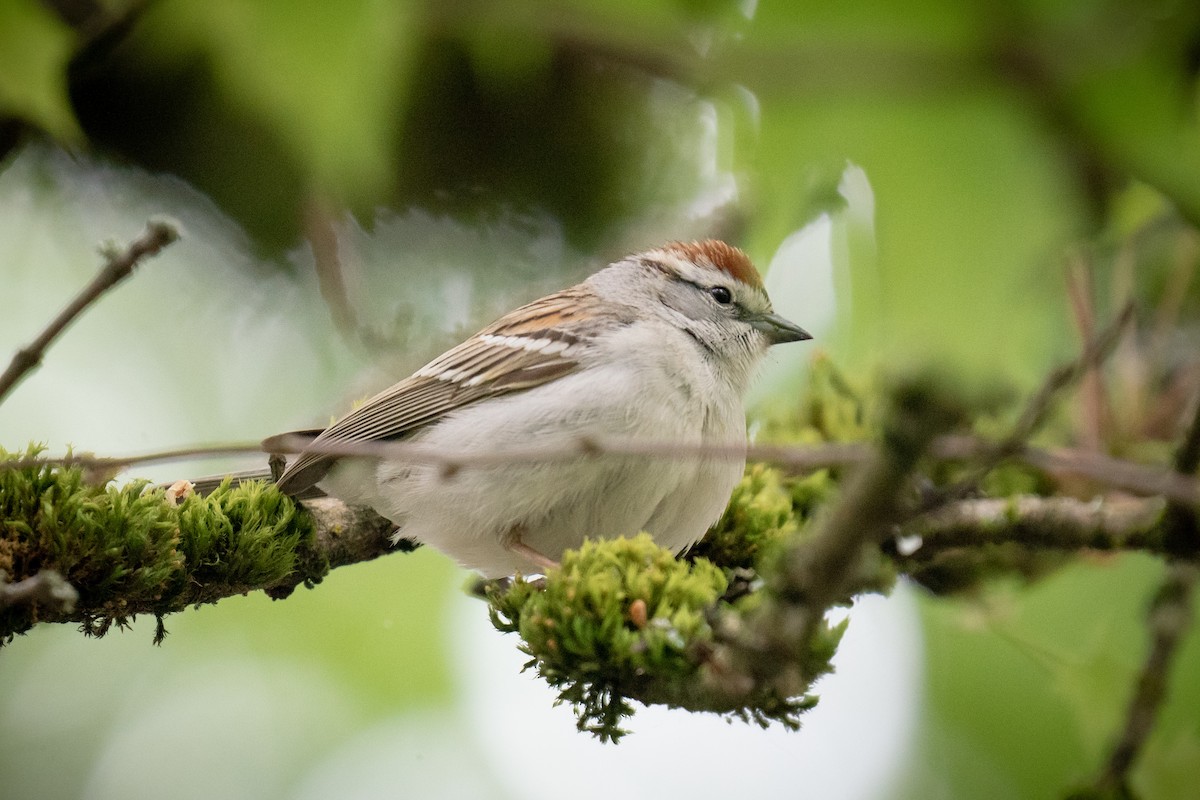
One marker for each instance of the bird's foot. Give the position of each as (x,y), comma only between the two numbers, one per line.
(513,543)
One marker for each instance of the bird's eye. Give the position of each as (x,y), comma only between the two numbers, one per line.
(721,295)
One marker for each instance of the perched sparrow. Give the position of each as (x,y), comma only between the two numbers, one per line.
(658,346)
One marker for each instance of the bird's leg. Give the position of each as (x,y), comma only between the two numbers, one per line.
(513,543)
(277,463)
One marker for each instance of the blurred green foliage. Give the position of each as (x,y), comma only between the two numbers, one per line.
(35,49)
(990,135)
(998,141)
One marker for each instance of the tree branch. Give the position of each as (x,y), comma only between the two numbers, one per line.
(128,551)
(47,589)
(119,265)
(1169,620)
(780,643)
(1130,476)
(1047,523)
(344,535)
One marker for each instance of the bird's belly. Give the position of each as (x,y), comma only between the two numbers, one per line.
(471,518)
(552,504)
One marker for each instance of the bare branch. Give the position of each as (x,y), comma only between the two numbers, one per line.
(118,265)
(1129,476)
(47,589)
(1048,523)
(1115,473)
(1093,401)
(331,280)
(1169,620)
(344,535)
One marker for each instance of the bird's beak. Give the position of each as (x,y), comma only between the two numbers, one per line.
(778,330)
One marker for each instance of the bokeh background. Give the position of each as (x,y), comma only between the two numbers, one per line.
(364,182)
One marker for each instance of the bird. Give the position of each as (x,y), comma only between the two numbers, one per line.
(659,346)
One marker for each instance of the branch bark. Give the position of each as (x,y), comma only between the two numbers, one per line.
(1169,620)
(162,578)
(1048,523)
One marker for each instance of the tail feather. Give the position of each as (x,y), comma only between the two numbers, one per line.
(209,483)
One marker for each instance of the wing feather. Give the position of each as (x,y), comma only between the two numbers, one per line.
(530,346)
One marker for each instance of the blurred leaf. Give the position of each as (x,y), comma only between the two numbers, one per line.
(983,690)
(970,209)
(35,48)
(1136,207)
(370,626)
(1146,123)
(1040,678)
(1169,769)
(1095,680)
(865,28)
(327,78)
(1124,76)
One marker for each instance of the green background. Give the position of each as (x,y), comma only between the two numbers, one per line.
(944,162)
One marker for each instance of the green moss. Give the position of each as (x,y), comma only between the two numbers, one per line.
(245,535)
(586,642)
(127,550)
(623,619)
(763,509)
(832,409)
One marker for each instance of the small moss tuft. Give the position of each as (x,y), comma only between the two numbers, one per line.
(583,639)
(765,508)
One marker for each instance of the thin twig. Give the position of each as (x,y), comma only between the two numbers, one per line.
(1169,620)
(1095,350)
(800,458)
(323,239)
(118,265)
(1105,470)
(1114,473)
(1093,405)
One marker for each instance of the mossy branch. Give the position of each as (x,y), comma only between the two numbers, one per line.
(130,550)
(738,628)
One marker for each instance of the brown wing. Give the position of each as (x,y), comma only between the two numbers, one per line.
(528,347)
